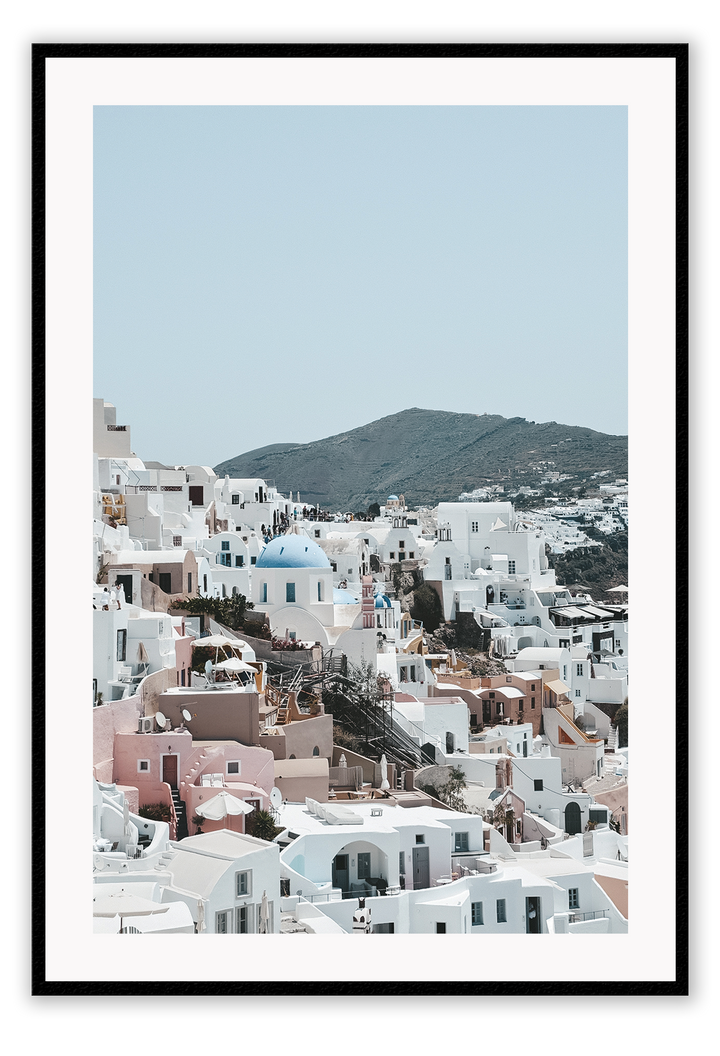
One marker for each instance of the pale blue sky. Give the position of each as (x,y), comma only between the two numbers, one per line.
(277,274)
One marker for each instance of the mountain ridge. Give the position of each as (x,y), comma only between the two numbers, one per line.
(429,456)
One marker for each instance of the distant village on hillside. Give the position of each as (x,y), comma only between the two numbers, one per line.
(308,721)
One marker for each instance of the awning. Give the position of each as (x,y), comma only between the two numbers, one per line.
(570,611)
(603,613)
(557,687)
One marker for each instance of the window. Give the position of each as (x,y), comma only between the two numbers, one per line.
(501,911)
(598,816)
(420,837)
(401,863)
(411,554)
(462,841)
(239,561)
(223,559)
(578,693)
(222,923)
(242,920)
(316,751)
(532,702)
(573,898)
(233,766)
(521,704)
(364,868)
(402,544)
(205,584)
(319,591)
(243,884)
(474,526)
(235,499)
(403,674)
(538,784)
(440,927)
(532,687)
(121,644)
(401,555)
(477,914)
(392,555)
(177,540)
(143,766)
(253,560)
(263,593)
(511,568)
(579,669)
(225,545)
(317,533)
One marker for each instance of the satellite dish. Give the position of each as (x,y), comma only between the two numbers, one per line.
(276,798)
(186,715)
(160,720)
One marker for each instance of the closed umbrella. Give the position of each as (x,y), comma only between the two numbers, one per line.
(384,784)
(264,914)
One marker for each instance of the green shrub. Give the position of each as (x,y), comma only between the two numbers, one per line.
(155,812)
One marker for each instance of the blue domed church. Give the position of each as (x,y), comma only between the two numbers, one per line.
(293,583)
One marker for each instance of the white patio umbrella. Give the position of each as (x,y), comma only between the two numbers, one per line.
(124,904)
(217,642)
(221,805)
(384,784)
(235,664)
(264,914)
(214,641)
(622,589)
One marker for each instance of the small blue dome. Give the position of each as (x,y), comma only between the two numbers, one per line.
(292,551)
(343,597)
(382,601)
(392,498)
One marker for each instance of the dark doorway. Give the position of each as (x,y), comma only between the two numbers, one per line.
(341,872)
(533,922)
(421,867)
(165,582)
(170,770)
(573,819)
(125,584)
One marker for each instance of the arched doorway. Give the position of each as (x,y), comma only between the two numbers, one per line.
(573,819)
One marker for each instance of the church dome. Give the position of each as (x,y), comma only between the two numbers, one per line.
(292,551)
(382,601)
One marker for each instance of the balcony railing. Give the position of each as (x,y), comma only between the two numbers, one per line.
(576,918)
